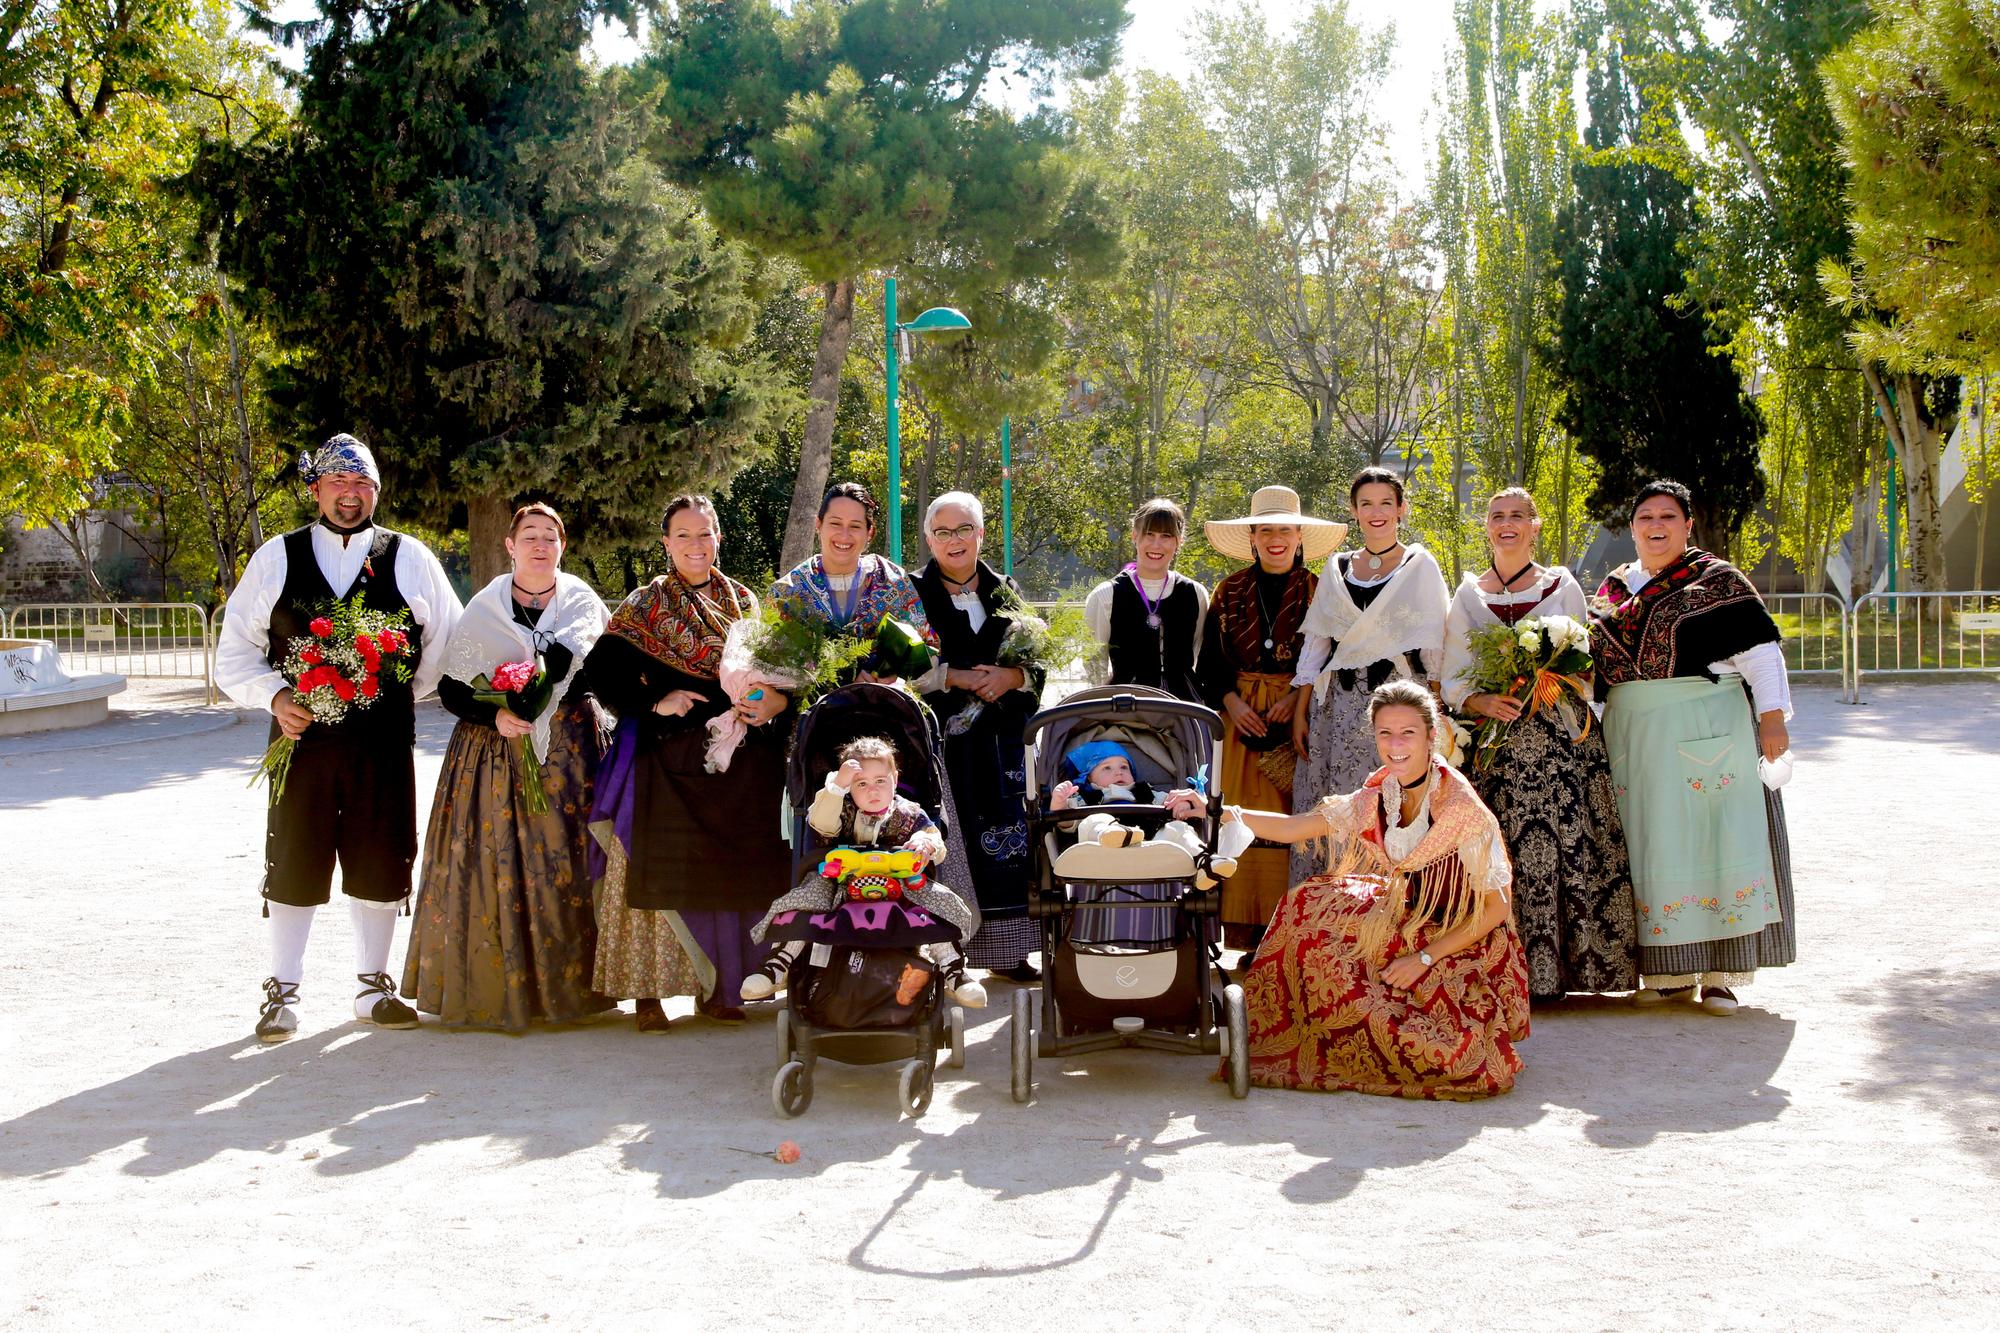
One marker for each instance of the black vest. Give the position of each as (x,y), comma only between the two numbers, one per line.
(1161,656)
(392,718)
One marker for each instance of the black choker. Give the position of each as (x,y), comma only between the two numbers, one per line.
(1507,585)
(1375,556)
(534,598)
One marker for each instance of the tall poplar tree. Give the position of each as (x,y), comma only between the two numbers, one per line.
(851,135)
(1647,395)
(472,264)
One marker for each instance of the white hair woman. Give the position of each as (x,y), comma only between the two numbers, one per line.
(988,691)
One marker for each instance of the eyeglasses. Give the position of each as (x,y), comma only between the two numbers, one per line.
(963,532)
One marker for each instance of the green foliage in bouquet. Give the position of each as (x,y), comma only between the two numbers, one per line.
(805,657)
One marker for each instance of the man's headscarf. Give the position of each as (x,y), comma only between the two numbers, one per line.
(342,453)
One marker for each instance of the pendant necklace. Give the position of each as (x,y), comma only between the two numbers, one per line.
(1264,613)
(534,598)
(1375,557)
(1152,607)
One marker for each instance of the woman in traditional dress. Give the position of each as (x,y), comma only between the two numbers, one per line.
(1398,973)
(1249,650)
(502,931)
(1377,614)
(846,589)
(1148,617)
(983,708)
(1683,645)
(1549,784)
(691,856)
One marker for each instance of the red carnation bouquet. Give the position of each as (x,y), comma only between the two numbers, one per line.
(523,689)
(338,669)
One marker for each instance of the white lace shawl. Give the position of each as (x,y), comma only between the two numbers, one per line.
(1408,613)
(488,635)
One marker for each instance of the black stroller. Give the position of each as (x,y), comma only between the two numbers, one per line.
(857,1005)
(1130,950)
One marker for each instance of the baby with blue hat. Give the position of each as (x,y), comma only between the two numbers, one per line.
(1102,773)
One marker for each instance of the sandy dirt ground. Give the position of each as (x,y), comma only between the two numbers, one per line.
(1828,1157)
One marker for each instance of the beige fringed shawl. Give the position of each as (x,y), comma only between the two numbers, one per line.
(1440,879)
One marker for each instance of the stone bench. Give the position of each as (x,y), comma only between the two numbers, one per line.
(36,694)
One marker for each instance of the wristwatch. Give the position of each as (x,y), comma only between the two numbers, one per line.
(1424,958)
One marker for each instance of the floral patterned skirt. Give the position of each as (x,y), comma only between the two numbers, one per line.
(1323,1022)
(502,932)
(640,956)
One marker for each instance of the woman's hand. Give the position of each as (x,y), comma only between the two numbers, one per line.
(1302,719)
(1497,706)
(510,726)
(1282,711)
(677,703)
(1772,738)
(756,712)
(870,678)
(998,680)
(1185,803)
(1247,720)
(1404,972)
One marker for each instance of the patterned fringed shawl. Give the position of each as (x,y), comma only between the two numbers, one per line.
(1241,620)
(681,626)
(1442,877)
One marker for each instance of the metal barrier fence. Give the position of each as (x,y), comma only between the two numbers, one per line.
(1926,632)
(153,639)
(1816,642)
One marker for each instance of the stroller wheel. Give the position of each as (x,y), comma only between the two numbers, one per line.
(792,1090)
(1238,1048)
(1020,1046)
(784,1035)
(957,1057)
(915,1088)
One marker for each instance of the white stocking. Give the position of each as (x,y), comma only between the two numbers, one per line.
(290,928)
(374,935)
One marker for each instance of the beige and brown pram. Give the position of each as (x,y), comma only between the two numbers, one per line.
(1130,944)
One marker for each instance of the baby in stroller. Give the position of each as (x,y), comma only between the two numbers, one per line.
(859,810)
(1102,775)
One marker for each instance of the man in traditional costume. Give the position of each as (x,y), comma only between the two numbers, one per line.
(351,791)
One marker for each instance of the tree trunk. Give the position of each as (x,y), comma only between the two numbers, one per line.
(836,331)
(1919,450)
(1861,563)
(486,517)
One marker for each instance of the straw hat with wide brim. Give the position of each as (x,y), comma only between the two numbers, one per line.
(1274,504)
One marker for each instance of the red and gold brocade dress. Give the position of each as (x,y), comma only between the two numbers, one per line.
(1322,1018)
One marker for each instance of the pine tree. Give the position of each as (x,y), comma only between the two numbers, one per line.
(474,267)
(849,135)
(1648,396)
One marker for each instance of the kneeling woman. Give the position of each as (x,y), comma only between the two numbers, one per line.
(1398,972)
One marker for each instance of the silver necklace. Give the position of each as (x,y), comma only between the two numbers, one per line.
(534,598)
(1375,557)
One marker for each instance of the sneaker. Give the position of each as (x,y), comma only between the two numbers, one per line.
(275,1020)
(1718,1000)
(764,982)
(385,1011)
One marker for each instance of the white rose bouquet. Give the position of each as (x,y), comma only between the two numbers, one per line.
(1542,660)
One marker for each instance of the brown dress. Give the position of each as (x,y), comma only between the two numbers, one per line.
(503,931)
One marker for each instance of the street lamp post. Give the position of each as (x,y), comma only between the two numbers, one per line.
(938,319)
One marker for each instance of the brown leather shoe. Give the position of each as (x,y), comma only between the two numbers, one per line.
(717,1012)
(650,1017)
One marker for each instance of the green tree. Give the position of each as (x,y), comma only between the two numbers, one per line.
(850,134)
(467,259)
(1646,393)
(1298,117)
(1916,96)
